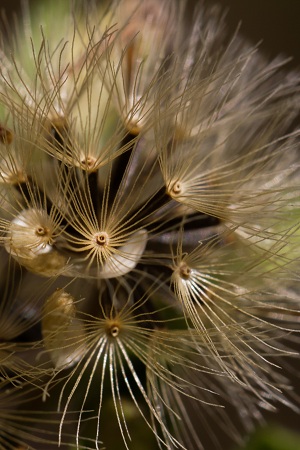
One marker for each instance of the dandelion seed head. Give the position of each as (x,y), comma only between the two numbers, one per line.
(149,222)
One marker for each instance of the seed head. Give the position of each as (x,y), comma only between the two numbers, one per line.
(149,224)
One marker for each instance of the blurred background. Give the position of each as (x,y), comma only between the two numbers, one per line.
(276,23)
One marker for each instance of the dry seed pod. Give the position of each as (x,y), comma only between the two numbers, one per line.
(63,333)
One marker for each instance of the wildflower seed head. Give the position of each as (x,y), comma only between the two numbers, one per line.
(149,220)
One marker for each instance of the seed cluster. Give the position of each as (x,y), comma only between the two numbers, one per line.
(149,227)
